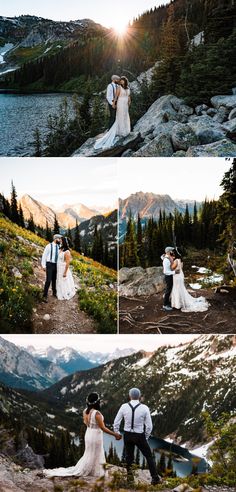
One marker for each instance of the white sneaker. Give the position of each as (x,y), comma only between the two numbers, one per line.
(167,308)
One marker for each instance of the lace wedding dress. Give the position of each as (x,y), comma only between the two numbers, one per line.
(181,299)
(65,285)
(93,459)
(121,127)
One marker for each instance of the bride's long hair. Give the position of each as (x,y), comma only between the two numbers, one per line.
(126,82)
(92,401)
(65,244)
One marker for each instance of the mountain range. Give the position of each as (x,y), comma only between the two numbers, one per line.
(35,369)
(30,37)
(178,383)
(66,215)
(148,205)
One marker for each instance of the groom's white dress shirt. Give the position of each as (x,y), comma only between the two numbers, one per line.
(47,254)
(142,419)
(167,267)
(111,92)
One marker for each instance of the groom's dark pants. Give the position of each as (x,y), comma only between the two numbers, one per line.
(132,439)
(169,287)
(51,276)
(112,115)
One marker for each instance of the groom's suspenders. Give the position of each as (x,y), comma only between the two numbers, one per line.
(133,410)
(51,254)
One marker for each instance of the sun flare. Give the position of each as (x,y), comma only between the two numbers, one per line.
(120,27)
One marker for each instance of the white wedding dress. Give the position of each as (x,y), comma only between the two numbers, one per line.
(121,127)
(65,285)
(93,459)
(181,299)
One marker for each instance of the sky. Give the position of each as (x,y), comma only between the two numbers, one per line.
(107,12)
(99,343)
(183,178)
(57,181)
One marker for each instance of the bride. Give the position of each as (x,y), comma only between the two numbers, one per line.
(65,283)
(121,127)
(93,460)
(180,298)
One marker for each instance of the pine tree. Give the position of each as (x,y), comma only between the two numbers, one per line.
(13,205)
(77,242)
(21,217)
(48,233)
(31,224)
(226,210)
(56,227)
(37,143)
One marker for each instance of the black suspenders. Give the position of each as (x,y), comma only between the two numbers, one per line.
(133,410)
(51,254)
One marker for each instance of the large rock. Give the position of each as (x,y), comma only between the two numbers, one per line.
(206,130)
(183,137)
(222,148)
(226,101)
(141,282)
(160,146)
(162,110)
(232,114)
(201,109)
(121,145)
(164,128)
(230,125)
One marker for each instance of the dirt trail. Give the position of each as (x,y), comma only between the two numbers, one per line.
(145,315)
(60,316)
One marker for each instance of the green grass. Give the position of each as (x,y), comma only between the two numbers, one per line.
(19,293)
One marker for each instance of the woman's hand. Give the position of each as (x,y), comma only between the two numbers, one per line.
(64,275)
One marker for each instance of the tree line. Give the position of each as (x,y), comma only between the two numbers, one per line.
(211,227)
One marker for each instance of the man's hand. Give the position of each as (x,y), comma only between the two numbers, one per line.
(118,436)
(44,269)
(64,275)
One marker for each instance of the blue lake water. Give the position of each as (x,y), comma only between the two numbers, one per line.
(20,114)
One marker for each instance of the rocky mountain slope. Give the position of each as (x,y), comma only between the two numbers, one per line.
(43,214)
(32,37)
(19,369)
(177,383)
(149,205)
(66,356)
(170,127)
(107,225)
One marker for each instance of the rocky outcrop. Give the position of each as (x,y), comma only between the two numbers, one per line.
(170,127)
(122,144)
(138,281)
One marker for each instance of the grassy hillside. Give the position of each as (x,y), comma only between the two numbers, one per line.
(20,254)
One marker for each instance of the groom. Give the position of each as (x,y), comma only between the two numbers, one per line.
(168,273)
(111,94)
(49,264)
(137,430)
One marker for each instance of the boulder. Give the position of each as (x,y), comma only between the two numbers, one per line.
(162,110)
(221,148)
(206,130)
(230,125)
(232,114)
(201,109)
(221,115)
(226,101)
(185,110)
(164,128)
(141,282)
(183,137)
(179,153)
(122,144)
(160,146)
(211,112)
(27,457)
